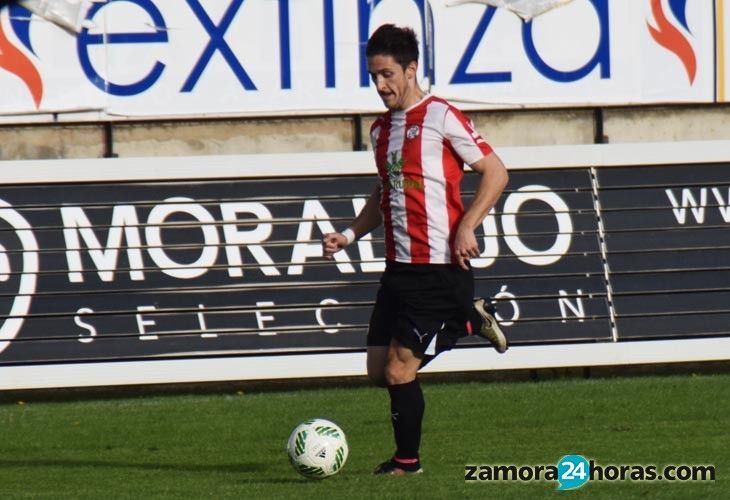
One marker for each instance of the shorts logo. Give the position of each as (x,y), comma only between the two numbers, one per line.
(28,277)
(413,132)
(431,348)
(420,335)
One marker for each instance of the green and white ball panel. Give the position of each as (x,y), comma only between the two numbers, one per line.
(317,448)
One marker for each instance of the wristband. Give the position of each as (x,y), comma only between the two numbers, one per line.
(349,235)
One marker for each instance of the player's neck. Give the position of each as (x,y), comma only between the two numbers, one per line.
(415,95)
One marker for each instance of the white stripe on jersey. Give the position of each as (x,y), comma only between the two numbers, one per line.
(465,142)
(435,183)
(397,196)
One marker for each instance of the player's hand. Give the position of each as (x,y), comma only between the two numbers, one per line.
(465,246)
(332,243)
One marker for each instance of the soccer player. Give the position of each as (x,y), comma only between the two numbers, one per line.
(426,298)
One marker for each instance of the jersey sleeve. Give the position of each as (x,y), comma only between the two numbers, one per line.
(467,142)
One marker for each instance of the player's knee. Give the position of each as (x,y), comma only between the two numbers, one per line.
(398,373)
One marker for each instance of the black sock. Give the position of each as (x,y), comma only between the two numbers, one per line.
(407,407)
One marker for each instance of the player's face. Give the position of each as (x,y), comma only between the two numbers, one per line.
(394,84)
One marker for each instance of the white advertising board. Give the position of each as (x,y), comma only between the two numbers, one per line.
(255,57)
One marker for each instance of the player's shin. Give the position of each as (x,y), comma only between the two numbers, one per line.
(407,407)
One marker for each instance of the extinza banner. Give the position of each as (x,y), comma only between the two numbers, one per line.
(197,57)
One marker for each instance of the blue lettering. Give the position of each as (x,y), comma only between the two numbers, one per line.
(602,56)
(217,43)
(329,44)
(461,74)
(365,12)
(84,40)
(284,46)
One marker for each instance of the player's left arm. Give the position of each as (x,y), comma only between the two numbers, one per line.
(493,179)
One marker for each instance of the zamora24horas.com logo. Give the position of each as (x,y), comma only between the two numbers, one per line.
(574,471)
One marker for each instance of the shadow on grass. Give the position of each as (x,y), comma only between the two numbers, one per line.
(242,467)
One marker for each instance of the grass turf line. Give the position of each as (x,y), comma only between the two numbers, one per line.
(232,445)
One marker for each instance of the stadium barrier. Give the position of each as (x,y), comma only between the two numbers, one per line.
(195,269)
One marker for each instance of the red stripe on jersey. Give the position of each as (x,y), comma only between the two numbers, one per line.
(381,158)
(453,173)
(414,187)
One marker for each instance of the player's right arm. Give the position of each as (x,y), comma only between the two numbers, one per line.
(368,219)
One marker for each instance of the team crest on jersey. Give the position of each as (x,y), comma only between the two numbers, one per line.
(413,132)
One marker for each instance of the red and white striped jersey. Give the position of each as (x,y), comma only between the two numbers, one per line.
(420,154)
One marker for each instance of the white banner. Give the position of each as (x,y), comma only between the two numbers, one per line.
(216,57)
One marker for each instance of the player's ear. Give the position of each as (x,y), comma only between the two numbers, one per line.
(411,70)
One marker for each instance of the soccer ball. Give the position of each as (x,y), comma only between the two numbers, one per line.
(317,448)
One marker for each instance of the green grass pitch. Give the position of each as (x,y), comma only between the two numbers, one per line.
(232,445)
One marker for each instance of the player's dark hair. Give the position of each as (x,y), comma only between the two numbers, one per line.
(390,40)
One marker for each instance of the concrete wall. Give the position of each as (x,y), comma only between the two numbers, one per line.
(684,123)
(234,137)
(344,133)
(525,127)
(31,142)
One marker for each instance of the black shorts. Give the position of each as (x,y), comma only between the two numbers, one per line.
(423,306)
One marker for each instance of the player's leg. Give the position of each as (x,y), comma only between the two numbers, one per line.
(480,313)
(407,407)
(377,358)
(379,336)
(418,300)
(402,364)
(484,324)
